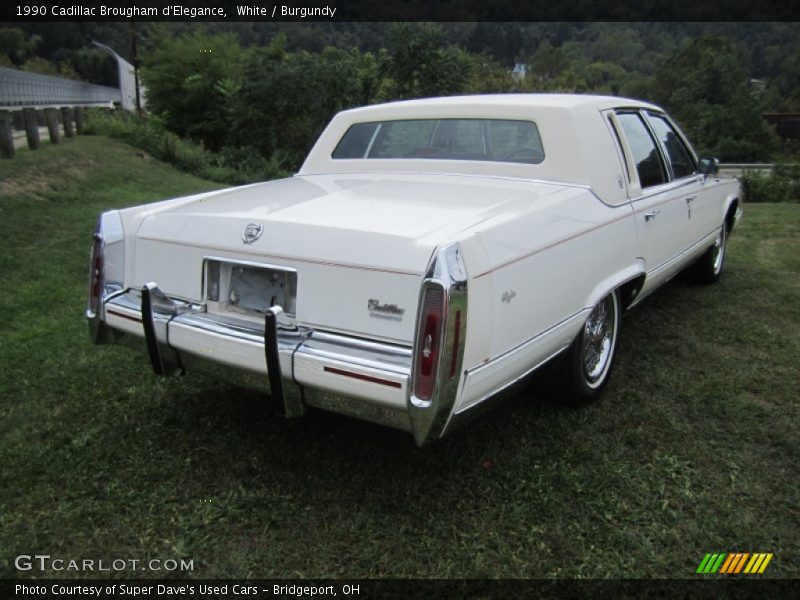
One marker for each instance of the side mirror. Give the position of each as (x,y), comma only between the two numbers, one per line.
(708,166)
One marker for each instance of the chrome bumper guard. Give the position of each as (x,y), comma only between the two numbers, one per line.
(298,367)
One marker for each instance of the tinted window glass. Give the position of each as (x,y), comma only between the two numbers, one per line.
(679,157)
(399,139)
(645,154)
(515,141)
(358,138)
(450,139)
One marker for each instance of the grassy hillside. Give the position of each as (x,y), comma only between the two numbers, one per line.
(694,448)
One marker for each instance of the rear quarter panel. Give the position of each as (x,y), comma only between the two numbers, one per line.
(544,266)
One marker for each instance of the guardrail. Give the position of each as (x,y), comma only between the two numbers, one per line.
(19,89)
(28,100)
(738,169)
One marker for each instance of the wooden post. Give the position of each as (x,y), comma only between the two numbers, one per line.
(6,135)
(31,128)
(19,120)
(52,125)
(66,117)
(79,119)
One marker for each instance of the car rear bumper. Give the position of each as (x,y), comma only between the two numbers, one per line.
(298,367)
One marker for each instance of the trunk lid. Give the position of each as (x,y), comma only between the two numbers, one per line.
(355,241)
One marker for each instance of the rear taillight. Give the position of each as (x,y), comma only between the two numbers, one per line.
(429,341)
(439,342)
(96,273)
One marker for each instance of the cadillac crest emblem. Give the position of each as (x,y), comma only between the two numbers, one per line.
(252,232)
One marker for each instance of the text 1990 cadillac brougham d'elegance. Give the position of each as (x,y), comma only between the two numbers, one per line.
(427,255)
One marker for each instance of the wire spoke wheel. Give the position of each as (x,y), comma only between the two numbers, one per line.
(718,252)
(579,377)
(598,340)
(708,267)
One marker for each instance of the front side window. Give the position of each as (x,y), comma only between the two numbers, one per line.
(499,140)
(643,147)
(677,153)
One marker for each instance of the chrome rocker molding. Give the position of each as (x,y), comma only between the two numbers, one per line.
(429,418)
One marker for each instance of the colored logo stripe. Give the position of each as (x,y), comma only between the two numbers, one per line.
(703,563)
(710,563)
(734,562)
(758,563)
(727,564)
(730,567)
(740,564)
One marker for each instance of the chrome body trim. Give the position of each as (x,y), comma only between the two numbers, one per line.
(663,188)
(372,355)
(509,355)
(282,351)
(498,393)
(251,263)
(429,418)
(705,241)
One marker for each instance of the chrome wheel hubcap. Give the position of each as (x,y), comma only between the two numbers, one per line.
(598,339)
(719,250)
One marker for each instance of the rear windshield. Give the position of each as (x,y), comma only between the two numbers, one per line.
(444,139)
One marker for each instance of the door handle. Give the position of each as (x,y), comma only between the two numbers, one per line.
(649,216)
(690,199)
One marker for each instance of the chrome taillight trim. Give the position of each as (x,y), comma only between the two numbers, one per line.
(428,286)
(96,279)
(429,418)
(108,242)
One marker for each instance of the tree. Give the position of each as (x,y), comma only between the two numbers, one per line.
(190,81)
(89,64)
(705,86)
(40,66)
(419,64)
(16,46)
(288,98)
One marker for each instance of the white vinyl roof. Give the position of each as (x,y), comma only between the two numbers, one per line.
(577,140)
(572,102)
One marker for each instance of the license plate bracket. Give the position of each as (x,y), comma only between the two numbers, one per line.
(250,288)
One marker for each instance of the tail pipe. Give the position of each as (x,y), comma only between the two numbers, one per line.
(438,351)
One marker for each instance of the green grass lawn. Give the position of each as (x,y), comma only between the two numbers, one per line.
(695,447)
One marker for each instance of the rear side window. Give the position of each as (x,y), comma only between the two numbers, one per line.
(643,147)
(502,140)
(677,153)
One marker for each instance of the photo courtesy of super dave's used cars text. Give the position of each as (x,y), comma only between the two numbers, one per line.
(181,589)
(427,255)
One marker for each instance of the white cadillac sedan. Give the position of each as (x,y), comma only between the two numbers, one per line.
(427,255)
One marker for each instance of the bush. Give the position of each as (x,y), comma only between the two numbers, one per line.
(230,165)
(791,172)
(288,98)
(783,185)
